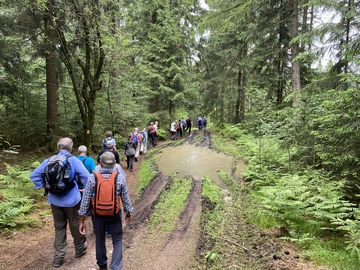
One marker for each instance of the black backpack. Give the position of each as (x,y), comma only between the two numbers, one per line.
(56,179)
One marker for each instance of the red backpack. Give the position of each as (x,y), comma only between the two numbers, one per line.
(106,200)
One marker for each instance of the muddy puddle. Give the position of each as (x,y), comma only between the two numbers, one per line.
(197,161)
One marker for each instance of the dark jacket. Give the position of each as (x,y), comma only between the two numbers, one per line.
(130,148)
(116,154)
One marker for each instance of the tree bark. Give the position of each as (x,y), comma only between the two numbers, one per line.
(295,71)
(51,86)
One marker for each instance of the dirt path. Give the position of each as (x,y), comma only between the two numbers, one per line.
(143,248)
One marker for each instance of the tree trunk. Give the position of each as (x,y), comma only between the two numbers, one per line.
(295,71)
(51,86)
(241,84)
(281,60)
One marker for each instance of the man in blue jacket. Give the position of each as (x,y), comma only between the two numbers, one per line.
(64,206)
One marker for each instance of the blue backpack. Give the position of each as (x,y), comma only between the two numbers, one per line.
(135,138)
(143,137)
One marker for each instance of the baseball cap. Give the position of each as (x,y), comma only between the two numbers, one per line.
(107,159)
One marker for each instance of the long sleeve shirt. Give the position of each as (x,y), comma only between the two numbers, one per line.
(71,197)
(85,209)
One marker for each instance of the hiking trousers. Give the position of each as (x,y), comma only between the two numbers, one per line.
(143,147)
(151,138)
(130,162)
(61,216)
(115,226)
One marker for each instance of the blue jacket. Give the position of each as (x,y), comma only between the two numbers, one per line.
(71,197)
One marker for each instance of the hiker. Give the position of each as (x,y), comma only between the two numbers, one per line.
(109,137)
(144,141)
(88,161)
(114,222)
(109,147)
(129,151)
(188,125)
(151,134)
(117,168)
(64,206)
(178,129)
(204,123)
(173,130)
(137,140)
(183,125)
(156,132)
(199,122)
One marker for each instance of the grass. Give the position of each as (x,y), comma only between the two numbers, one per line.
(146,173)
(212,220)
(333,253)
(171,203)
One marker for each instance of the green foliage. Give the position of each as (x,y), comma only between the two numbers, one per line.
(146,173)
(171,203)
(308,205)
(15,189)
(12,209)
(331,252)
(351,227)
(211,192)
(305,203)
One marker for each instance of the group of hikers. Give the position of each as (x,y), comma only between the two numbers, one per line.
(182,126)
(136,144)
(77,188)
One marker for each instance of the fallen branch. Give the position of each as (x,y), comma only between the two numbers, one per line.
(231,242)
(234,243)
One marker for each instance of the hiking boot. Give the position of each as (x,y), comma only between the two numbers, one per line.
(82,250)
(135,159)
(57,262)
(103,267)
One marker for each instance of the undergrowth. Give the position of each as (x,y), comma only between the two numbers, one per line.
(306,204)
(17,198)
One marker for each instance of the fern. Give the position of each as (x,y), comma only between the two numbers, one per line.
(16,188)
(300,203)
(352,228)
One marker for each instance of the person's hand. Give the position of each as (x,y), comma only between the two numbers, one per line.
(127,219)
(82,225)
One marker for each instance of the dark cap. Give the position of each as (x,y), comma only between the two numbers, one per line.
(107,160)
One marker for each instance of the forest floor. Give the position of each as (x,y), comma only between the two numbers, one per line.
(143,248)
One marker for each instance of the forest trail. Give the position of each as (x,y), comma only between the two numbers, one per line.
(144,248)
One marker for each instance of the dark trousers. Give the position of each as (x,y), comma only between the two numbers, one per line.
(188,129)
(61,216)
(130,161)
(115,226)
(152,139)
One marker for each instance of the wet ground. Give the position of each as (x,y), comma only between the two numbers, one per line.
(148,249)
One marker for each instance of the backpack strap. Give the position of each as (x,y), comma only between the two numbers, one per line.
(83,161)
